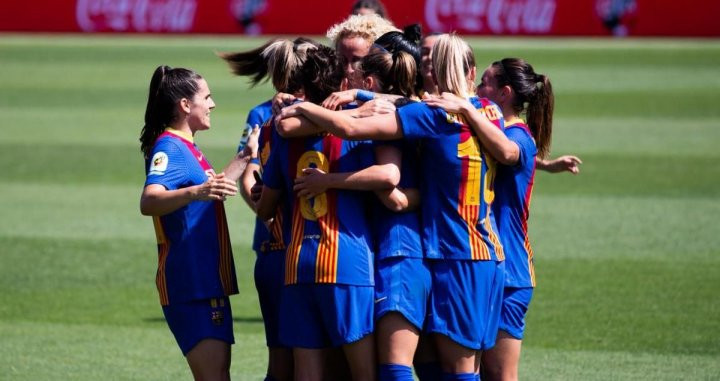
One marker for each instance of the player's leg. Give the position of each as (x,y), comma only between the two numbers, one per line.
(269,285)
(501,361)
(210,360)
(455,358)
(402,291)
(465,310)
(310,364)
(280,364)
(360,355)
(397,340)
(203,330)
(426,363)
(349,322)
(301,328)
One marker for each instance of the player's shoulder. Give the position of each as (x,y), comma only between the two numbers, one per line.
(263,110)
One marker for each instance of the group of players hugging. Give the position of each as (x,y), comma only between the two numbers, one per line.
(392,197)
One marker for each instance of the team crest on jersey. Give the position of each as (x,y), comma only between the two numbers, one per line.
(217,317)
(158,164)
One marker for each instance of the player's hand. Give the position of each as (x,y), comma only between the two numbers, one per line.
(448,101)
(289,112)
(217,188)
(566,163)
(252,145)
(374,107)
(311,183)
(339,98)
(281,100)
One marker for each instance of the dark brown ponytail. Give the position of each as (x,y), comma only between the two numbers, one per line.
(167,87)
(533,95)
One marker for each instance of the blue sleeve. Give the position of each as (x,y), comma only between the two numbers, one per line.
(167,166)
(524,141)
(258,115)
(419,120)
(273,175)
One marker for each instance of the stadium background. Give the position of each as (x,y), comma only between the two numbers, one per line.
(627,252)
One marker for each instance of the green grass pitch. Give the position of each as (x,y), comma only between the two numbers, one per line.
(628,252)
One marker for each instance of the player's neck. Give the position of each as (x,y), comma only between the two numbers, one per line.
(184,131)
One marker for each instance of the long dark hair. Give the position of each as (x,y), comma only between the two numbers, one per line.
(321,74)
(407,41)
(279,60)
(167,87)
(533,94)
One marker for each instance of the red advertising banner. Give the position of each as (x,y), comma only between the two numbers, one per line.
(483,17)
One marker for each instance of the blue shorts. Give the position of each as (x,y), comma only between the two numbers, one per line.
(402,285)
(269,281)
(514,308)
(465,301)
(325,315)
(194,321)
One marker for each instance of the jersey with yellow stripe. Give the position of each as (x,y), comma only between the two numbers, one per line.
(272,237)
(195,258)
(457,183)
(330,235)
(513,186)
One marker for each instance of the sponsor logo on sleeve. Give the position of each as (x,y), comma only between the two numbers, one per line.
(158,164)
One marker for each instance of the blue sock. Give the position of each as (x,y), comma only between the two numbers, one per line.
(459,376)
(393,372)
(269,378)
(428,371)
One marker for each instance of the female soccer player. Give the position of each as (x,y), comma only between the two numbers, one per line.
(517,88)
(281,61)
(457,190)
(352,39)
(328,297)
(184,195)
(402,278)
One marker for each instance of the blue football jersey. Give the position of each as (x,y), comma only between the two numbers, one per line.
(194,252)
(330,238)
(457,182)
(513,186)
(398,234)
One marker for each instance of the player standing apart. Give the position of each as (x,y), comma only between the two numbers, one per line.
(184,195)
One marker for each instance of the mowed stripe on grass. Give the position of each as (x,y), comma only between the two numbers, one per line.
(627,252)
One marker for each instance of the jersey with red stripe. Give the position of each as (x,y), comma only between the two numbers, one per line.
(513,186)
(457,184)
(194,253)
(272,237)
(330,234)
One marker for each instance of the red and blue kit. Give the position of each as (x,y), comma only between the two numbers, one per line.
(514,186)
(269,241)
(457,183)
(402,276)
(459,230)
(328,262)
(264,239)
(194,254)
(330,238)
